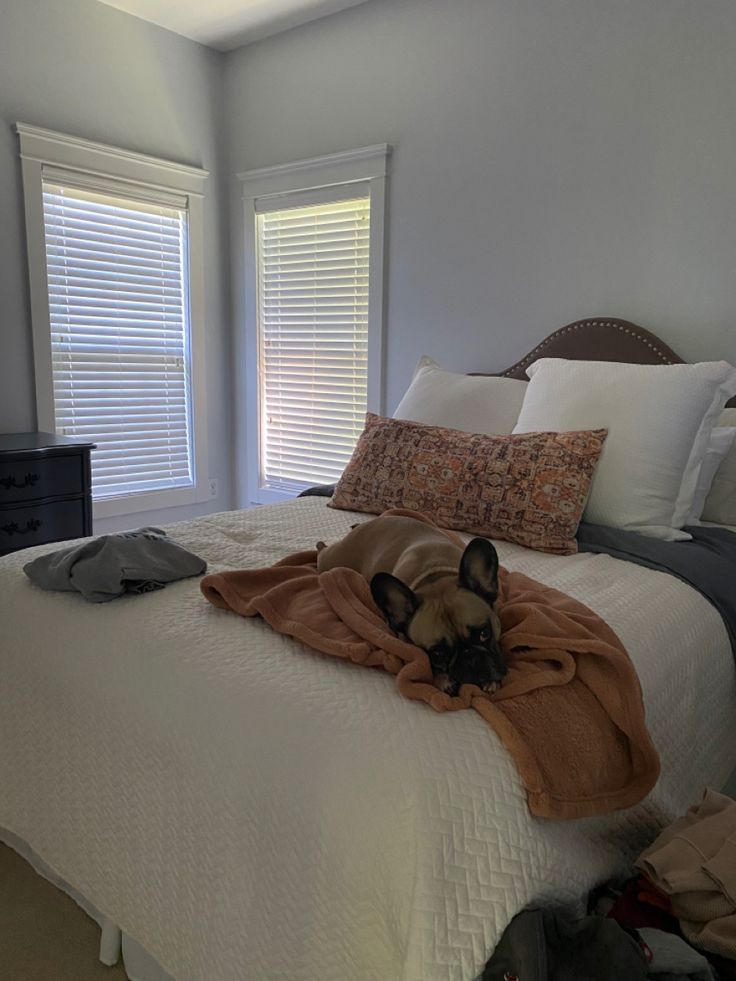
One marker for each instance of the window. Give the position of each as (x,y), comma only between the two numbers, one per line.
(314,320)
(114,307)
(313,324)
(116,273)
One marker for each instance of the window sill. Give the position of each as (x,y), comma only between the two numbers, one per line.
(270,495)
(153,501)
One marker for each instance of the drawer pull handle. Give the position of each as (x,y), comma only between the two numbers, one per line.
(29,481)
(13,529)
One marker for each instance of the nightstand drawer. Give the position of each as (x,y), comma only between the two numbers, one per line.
(36,524)
(31,480)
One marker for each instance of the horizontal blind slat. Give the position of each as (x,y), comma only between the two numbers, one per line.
(116,272)
(313,265)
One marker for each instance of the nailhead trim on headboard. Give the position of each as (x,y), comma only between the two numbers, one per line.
(583,346)
(665,354)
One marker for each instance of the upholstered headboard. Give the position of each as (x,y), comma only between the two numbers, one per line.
(601,339)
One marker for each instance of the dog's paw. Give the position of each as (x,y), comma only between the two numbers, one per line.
(491,687)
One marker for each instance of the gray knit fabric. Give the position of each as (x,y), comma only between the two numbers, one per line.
(106,567)
(672,957)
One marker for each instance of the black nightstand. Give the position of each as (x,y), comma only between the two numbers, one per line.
(45,490)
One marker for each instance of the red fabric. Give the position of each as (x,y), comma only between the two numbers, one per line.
(642,905)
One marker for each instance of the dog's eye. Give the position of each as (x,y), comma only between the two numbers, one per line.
(485,634)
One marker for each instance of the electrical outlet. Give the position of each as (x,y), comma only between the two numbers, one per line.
(213,487)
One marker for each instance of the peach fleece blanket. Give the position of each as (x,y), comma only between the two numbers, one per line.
(570,711)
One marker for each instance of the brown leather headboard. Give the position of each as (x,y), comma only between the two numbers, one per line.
(601,339)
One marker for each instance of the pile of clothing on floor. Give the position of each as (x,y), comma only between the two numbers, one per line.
(674,920)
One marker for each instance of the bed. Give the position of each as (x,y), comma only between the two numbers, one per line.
(238,806)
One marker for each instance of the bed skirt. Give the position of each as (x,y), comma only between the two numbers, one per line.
(114,944)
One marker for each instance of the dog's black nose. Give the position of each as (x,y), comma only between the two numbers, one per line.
(477,665)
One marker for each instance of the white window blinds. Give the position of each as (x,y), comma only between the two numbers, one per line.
(118,304)
(313,339)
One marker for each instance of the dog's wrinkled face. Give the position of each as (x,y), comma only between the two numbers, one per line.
(460,632)
(454,622)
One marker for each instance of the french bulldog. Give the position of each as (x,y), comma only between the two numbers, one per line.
(432,592)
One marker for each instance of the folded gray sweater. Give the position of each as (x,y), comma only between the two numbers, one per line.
(106,567)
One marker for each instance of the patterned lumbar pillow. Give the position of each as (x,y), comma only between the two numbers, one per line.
(530,489)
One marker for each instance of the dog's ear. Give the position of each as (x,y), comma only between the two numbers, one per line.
(395,600)
(479,569)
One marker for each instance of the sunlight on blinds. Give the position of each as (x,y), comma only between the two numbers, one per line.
(313,334)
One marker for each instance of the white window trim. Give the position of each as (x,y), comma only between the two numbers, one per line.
(366,165)
(46,155)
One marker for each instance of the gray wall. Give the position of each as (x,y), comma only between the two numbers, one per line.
(86,69)
(554,159)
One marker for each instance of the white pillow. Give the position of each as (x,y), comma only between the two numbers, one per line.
(659,420)
(720,505)
(721,441)
(473,404)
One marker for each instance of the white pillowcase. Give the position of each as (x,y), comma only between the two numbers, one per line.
(720,505)
(659,420)
(721,441)
(473,404)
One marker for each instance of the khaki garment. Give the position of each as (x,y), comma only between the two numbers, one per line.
(694,863)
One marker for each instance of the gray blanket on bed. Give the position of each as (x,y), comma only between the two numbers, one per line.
(707,563)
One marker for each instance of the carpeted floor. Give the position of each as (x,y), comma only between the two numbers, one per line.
(44,935)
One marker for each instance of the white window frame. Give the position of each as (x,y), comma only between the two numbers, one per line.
(287,184)
(50,156)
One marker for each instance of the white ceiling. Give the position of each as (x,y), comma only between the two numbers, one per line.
(226,24)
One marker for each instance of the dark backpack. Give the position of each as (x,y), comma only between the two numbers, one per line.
(541,945)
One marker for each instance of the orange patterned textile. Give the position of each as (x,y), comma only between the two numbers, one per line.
(529,488)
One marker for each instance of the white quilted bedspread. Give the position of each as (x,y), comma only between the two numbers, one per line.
(248,809)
